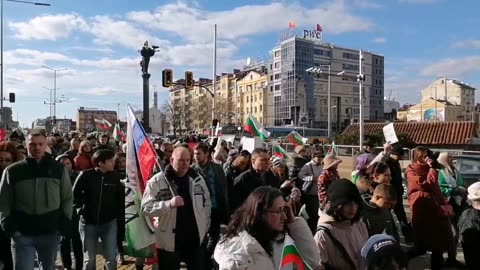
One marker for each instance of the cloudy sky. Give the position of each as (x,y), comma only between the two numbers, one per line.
(98,41)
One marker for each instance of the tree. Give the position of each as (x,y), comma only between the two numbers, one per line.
(172,116)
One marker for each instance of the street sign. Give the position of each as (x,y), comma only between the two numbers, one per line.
(303,118)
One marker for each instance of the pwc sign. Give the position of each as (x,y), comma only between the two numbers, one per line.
(313,34)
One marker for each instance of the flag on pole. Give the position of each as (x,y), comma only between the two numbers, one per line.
(278,151)
(333,149)
(103,124)
(319,28)
(296,139)
(118,134)
(291,25)
(256,129)
(139,230)
(291,256)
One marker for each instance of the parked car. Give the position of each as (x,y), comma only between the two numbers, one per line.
(469,168)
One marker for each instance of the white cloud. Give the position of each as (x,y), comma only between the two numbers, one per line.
(453,67)
(197,24)
(367,4)
(99,91)
(33,57)
(469,43)
(105,50)
(379,40)
(48,27)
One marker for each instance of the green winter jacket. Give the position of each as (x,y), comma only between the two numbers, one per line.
(448,183)
(35,197)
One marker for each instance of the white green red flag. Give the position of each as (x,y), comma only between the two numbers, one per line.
(256,129)
(118,134)
(278,151)
(291,258)
(333,149)
(103,124)
(296,139)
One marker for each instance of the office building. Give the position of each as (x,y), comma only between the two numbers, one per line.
(85,118)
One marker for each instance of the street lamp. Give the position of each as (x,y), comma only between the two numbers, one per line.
(54,88)
(1,40)
(317,71)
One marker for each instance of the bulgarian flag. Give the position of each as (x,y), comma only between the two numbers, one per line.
(256,129)
(291,256)
(118,134)
(333,149)
(296,138)
(103,124)
(278,151)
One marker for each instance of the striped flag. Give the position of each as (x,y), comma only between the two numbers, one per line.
(103,124)
(256,129)
(278,151)
(291,256)
(296,138)
(333,149)
(118,134)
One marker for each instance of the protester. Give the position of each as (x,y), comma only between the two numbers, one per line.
(469,228)
(183,221)
(8,155)
(217,186)
(328,176)
(236,168)
(121,165)
(83,160)
(383,252)
(362,161)
(104,144)
(258,175)
(73,239)
(341,233)
(392,159)
(34,213)
(298,160)
(99,198)
(376,174)
(21,152)
(376,211)
(253,239)
(279,169)
(167,150)
(430,212)
(74,146)
(309,175)
(232,155)
(121,168)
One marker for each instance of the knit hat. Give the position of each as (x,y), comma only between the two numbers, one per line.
(383,245)
(330,161)
(343,191)
(277,161)
(474,191)
(398,151)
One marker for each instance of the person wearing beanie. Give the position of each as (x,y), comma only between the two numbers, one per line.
(469,228)
(383,252)
(341,233)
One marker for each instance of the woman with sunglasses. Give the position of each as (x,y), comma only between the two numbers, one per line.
(254,238)
(8,155)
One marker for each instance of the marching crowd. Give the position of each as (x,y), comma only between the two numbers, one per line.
(220,207)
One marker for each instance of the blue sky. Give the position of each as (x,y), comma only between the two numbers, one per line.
(98,41)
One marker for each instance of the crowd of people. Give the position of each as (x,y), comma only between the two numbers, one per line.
(216,206)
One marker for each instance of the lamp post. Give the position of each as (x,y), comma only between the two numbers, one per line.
(54,88)
(317,71)
(360,79)
(1,45)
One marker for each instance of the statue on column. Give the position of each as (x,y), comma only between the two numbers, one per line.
(146,53)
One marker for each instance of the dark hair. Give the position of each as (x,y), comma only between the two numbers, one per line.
(164,145)
(37,133)
(102,156)
(62,157)
(337,212)
(386,262)
(105,136)
(117,158)
(9,148)
(245,153)
(258,151)
(385,191)
(375,168)
(249,217)
(202,147)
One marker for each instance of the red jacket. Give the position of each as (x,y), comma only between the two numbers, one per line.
(83,162)
(432,230)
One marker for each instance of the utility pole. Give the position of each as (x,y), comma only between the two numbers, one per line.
(54,89)
(214,75)
(361,78)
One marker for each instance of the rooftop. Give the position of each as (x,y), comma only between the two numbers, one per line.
(425,133)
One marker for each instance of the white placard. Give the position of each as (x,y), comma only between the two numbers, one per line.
(389,134)
(250,144)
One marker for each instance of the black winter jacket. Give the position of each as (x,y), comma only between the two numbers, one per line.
(247,182)
(99,197)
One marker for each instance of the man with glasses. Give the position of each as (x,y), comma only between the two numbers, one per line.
(258,175)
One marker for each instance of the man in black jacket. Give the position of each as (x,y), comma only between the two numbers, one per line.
(259,175)
(99,197)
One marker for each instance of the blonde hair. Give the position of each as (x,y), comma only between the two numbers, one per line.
(443,160)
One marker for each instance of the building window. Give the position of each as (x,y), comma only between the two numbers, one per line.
(261,107)
(351,56)
(255,109)
(277,76)
(277,53)
(277,87)
(350,67)
(255,98)
(247,99)
(277,65)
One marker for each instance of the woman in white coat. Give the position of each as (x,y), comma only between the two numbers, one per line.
(255,235)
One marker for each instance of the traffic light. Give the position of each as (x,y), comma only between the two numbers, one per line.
(167,78)
(189,80)
(11,97)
